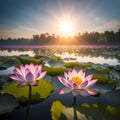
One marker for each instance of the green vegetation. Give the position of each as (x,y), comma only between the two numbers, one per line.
(73,65)
(107,71)
(104,80)
(79,65)
(84,111)
(1,62)
(57,57)
(55,71)
(30,60)
(56,110)
(89,64)
(92,38)
(39,93)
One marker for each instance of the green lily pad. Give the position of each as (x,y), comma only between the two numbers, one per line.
(39,93)
(11,61)
(56,110)
(7,103)
(107,71)
(72,65)
(89,64)
(84,112)
(44,58)
(55,71)
(104,80)
(1,62)
(30,60)
(55,63)
(103,88)
(57,57)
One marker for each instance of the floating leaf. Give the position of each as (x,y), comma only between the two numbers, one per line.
(39,93)
(88,64)
(107,71)
(7,103)
(93,71)
(1,62)
(103,88)
(72,65)
(9,62)
(7,71)
(104,80)
(44,58)
(55,71)
(55,63)
(117,67)
(24,56)
(30,60)
(58,57)
(56,110)
(84,112)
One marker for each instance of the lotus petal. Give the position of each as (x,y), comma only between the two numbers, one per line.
(15,78)
(42,75)
(75,93)
(91,83)
(64,90)
(30,76)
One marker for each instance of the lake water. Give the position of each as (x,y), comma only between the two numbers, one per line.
(96,54)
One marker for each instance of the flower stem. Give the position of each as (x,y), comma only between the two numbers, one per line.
(28,104)
(75,113)
(74,100)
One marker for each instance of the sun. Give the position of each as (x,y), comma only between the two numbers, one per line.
(66,28)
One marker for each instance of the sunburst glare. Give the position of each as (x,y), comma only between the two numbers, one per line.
(66,28)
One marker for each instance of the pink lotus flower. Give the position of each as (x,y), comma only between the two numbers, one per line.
(28,74)
(77,83)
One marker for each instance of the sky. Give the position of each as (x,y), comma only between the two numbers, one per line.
(23,18)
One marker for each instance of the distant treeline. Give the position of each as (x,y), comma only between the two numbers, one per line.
(92,38)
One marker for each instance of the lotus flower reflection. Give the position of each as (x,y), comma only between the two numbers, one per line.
(78,83)
(28,74)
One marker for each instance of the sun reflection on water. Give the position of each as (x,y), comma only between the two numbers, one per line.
(82,59)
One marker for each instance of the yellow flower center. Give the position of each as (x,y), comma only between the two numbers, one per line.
(77,80)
